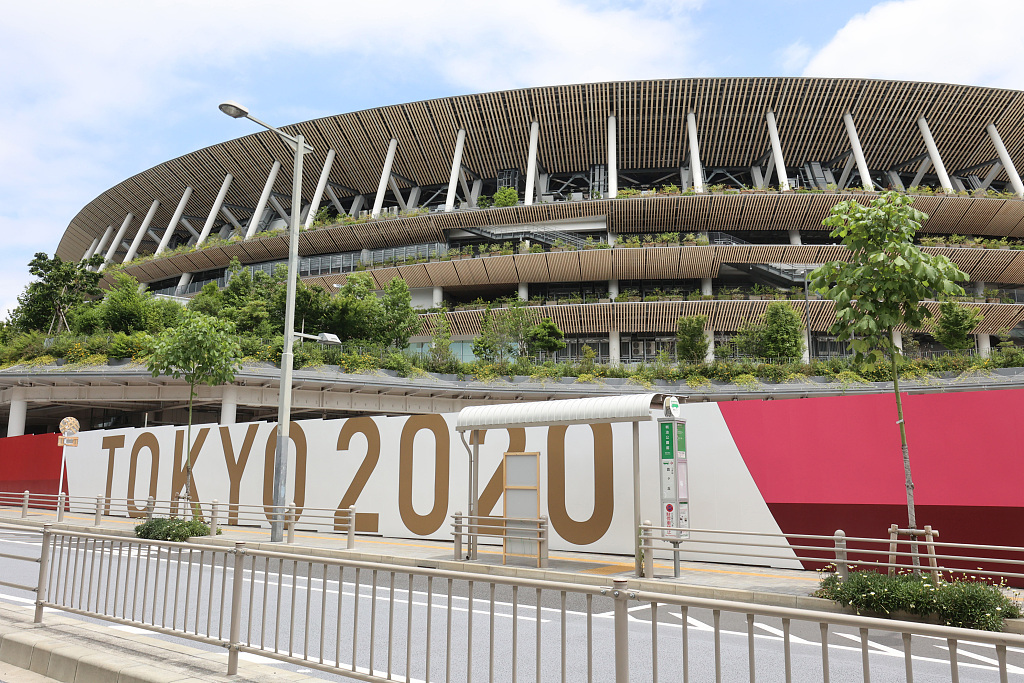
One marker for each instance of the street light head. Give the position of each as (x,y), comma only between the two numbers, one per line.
(233,109)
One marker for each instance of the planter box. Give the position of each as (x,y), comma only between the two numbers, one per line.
(689,244)
(115,362)
(604,301)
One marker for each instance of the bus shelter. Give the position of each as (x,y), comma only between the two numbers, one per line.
(634,408)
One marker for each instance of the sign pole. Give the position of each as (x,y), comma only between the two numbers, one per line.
(69,426)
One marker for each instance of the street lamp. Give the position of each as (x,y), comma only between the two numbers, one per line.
(298,145)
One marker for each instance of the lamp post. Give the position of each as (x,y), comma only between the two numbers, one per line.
(299,147)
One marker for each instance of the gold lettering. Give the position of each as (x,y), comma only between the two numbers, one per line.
(145,440)
(424,525)
(592,529)
(295,434)
(236,467)
(368,522)
(182,476)
(111,444)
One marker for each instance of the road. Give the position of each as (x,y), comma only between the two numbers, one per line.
(391,611)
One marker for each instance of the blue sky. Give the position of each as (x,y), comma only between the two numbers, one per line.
(94,92)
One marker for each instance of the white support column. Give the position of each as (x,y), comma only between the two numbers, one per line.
(705,286)
(228,404)
(794,237)
(524,291)
(979,289)
(357,205)
(984,345)
(215,209)
(695,166)
(897,340)
(709,357)
(453,177)
(19,411)
(261,205)
(393,184)
(613,289)
(117,240)
(385,175)
(1004,157)
(414,198)
(178,211)
(613,161)
(614,351)
(933,154)
(531,163)
(334,200)
(780,163)
(437,297)
(993,172)
(858,152)
(769,169)
(193,231)
(91,250)
(104,239)
(281,211)
(844,177)
(919,176)
(474,192)
(321,184)
(134,248)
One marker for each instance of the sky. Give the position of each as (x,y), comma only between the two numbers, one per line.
(93,92)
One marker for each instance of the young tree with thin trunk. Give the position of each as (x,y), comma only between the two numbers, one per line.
(882,287)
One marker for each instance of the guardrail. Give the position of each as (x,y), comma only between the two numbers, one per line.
(920,549)
(285,605)
(472,528)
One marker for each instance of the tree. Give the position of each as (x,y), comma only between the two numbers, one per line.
(513,326)
(882,287)
(506,196)
(201,349)
(60,287)
(355,311)
(399,321)
(777,334)
(441,341)
(125,309)
(545,336)
(490,346)
(954,325)
(691,342)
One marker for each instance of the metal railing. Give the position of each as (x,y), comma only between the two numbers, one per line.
(471,528)
(381,622)
(845,552)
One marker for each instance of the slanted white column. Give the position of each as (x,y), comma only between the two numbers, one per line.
(794,237)
(321,184)
(385,175)
(614,352)
(531,163)
(709,357)
(178,211)
(613,160)
(984,345)
(933,154)
(19,411)
(696,170)
(134,248)
(919,176)
(453,177)
(1004,157)
(524,291)
(437,297)
(214,210)
(858,152)
(780,163)
(393,184)
(613,289)
(357,205)
(117,240)
(261,205)
(705,286)
(228,404)
(104,239)
(897,340)
(91,250)
(993,172)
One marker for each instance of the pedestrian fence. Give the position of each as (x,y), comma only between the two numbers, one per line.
(514,533)
(381,622)
(342,520)
(920,548)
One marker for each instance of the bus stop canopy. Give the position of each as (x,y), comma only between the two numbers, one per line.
(635,408)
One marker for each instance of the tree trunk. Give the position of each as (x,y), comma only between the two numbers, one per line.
(188,451)
(909,481)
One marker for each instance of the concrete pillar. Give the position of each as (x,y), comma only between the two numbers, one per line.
(19,411)
(134,248)
(806,355)
(611,238)
(709,357)
(705,286)
(979,289)
(531,163)
(984,345)
(897,340)
(613,160)
(357,205)
(613,289)
(117,240)
(321,185)
(385,175)
(1004,157)
(933,154)
(696,169)
(780,163)
(437,297)
(858,152)
(261,204)
(794,237)
(214,210)
(614,353)
(228,404)
(104,239)
(524,291)
(91,250)
(453,177)
(178,211)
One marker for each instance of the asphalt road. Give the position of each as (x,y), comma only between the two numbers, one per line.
(395,620)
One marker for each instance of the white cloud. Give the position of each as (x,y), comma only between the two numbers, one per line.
(794,56)
(100,90)
(929,40)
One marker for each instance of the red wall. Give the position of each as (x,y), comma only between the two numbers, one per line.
(30,463)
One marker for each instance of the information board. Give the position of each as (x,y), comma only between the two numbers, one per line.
(675,489)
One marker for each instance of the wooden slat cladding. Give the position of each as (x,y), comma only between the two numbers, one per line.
(661,317)
(651,133)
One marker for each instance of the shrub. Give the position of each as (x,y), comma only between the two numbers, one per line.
(128,346)
(172,529)
(506,196)
(962,603)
